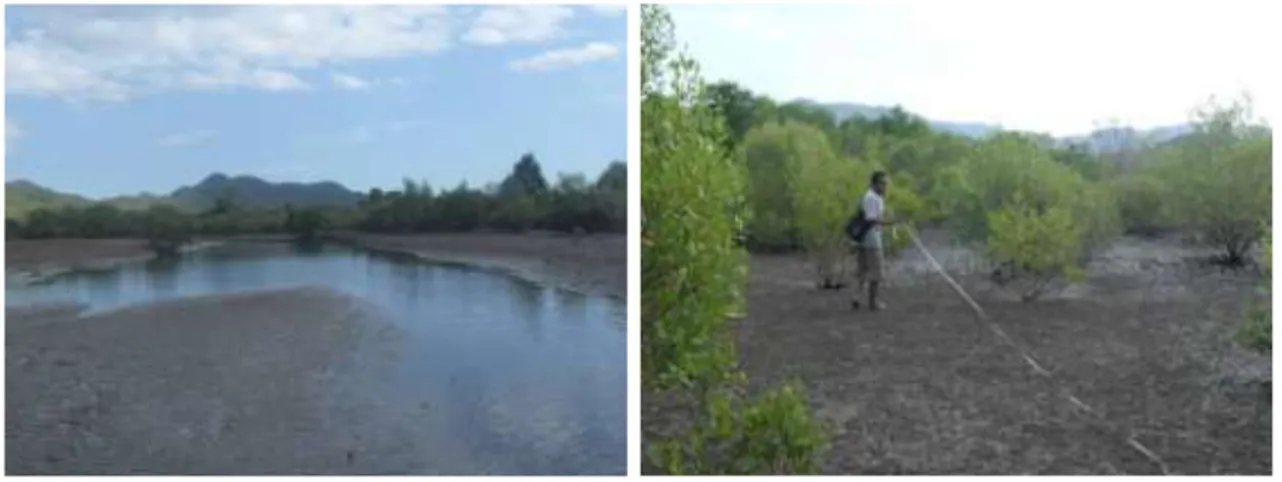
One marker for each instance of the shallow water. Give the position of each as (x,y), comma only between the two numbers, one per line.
(523,379)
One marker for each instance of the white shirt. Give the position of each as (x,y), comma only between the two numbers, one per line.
(874,207)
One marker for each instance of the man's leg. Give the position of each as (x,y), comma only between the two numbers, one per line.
(861,275)
(875,273)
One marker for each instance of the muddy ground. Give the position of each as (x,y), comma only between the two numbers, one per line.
(44,254)
(596,264)
(260,383)
(923,388)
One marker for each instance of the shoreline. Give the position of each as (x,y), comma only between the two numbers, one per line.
(591,265)
(46,265)
(587,265)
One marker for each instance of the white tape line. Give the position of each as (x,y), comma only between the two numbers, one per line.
(983,317)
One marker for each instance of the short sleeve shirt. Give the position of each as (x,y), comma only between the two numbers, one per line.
(874,207)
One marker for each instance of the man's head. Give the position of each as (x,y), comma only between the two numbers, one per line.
(880,182)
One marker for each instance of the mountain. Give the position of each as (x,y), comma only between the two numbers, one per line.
(1116,138)
(846,110)
(22,197)
(252,191)
(1100,140)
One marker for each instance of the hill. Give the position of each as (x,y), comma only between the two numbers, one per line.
(252,191)
(845,110)
(22,197)
(1100,140)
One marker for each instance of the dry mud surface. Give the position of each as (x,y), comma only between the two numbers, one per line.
(924,388)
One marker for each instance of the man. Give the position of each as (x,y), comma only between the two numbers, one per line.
(870,256)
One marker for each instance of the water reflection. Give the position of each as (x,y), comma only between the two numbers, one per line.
(528,305)
(162,274)
(526,379)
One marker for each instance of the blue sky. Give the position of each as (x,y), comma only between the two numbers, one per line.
(1056,66)
(103,101)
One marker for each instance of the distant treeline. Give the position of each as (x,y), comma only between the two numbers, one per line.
(524,200)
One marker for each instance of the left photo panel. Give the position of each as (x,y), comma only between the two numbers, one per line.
(316,240)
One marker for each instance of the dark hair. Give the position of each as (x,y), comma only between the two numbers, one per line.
(878,176)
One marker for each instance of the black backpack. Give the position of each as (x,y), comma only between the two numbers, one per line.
(858,226)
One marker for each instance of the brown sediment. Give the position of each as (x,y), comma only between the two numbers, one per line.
(921,388)
(42,255)
(255,383)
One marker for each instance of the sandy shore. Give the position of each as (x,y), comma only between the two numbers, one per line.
(596,264)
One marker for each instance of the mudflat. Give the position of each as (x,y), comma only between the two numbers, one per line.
(41,254)
(256,383)
(923,388)
(596,264)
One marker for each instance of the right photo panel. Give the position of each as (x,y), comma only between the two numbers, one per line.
(963,238)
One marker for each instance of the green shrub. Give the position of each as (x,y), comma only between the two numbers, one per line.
(1037,217)
(774,434)
(827,190)
(1142,204)
(166,228)
(771,153)
(1257,332)
(692,272)
(1219,178)
(1037,246)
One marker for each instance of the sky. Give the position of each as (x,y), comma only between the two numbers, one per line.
(1052,66)
(110,100)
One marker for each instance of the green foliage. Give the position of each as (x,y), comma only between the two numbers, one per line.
(526,179)
(522,201)
(774,434)
(1039,244)
(738,107)
(906,207)
(692,273)
(1219,178)
(21,198)
(1038,217)
(1256,333)
(306,223)
(770,153)
(1142,204)
(166,228)
(827,189)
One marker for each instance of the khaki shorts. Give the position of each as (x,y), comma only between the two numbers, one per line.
(871,264)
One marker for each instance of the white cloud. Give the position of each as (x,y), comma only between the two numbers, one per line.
(523,23)
(350,82)
(562,58)
(181,139)
(90,53)
(12,132)
(609,9)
